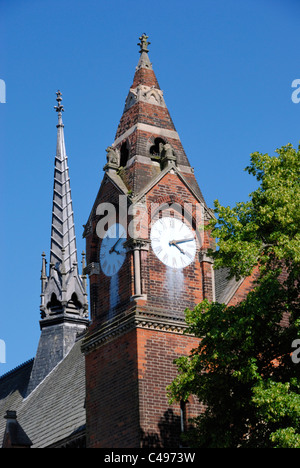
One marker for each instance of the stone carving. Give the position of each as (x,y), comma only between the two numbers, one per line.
(168,154)
(144,43)
(144,94)
(112,155)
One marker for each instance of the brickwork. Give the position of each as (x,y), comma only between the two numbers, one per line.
(160,423)
(100,284)
(126,390)
(112,394)
(138,175)
(248,285)
(143,112)
(146,77)
(140,141)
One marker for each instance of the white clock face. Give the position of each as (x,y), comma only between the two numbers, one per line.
(173,242)
(112,251)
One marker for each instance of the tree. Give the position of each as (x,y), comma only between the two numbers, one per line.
(242,369)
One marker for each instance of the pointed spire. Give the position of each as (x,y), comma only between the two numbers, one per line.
(64,305)
(63,230)
(146,134)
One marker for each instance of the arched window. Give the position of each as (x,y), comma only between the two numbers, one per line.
(74,305)
(54,305)
(156,149)
(124,154)
(183,415)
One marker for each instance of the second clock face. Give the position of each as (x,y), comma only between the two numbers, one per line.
(173,242)
(112,251)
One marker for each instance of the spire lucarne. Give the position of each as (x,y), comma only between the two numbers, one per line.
(64,306)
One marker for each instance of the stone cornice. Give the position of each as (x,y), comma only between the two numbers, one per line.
(136,319)
(71,319)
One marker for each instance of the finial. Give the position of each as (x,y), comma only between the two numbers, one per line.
(43,274)
(44,266)
(144,43)
(83,276)
(59,107)
(83,261)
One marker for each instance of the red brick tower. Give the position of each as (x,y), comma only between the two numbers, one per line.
(146,262)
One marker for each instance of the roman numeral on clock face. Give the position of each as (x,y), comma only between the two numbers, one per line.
(165,258)
(157,250)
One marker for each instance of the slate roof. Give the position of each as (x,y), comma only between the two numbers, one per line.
(55,410)
(224,287)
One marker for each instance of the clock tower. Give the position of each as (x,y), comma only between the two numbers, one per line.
(147,262)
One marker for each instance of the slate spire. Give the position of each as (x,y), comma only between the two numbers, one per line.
(62,228)
(64,305)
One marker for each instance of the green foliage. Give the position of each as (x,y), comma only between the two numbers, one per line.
(268,224)
(278,404)
(242,370)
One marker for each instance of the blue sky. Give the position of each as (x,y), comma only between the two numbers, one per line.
(226,69)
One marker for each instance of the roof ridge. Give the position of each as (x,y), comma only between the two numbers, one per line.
(11,371)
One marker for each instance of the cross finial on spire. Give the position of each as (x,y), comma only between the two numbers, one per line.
(59,107)
(144,43)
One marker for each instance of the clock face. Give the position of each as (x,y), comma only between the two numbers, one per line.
(112,251)
(173,242)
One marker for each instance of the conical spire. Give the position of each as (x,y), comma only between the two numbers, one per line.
(146,139)
(63,230)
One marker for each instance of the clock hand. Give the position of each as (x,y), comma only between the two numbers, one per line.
(113,248)
(175,244)
(181,240)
